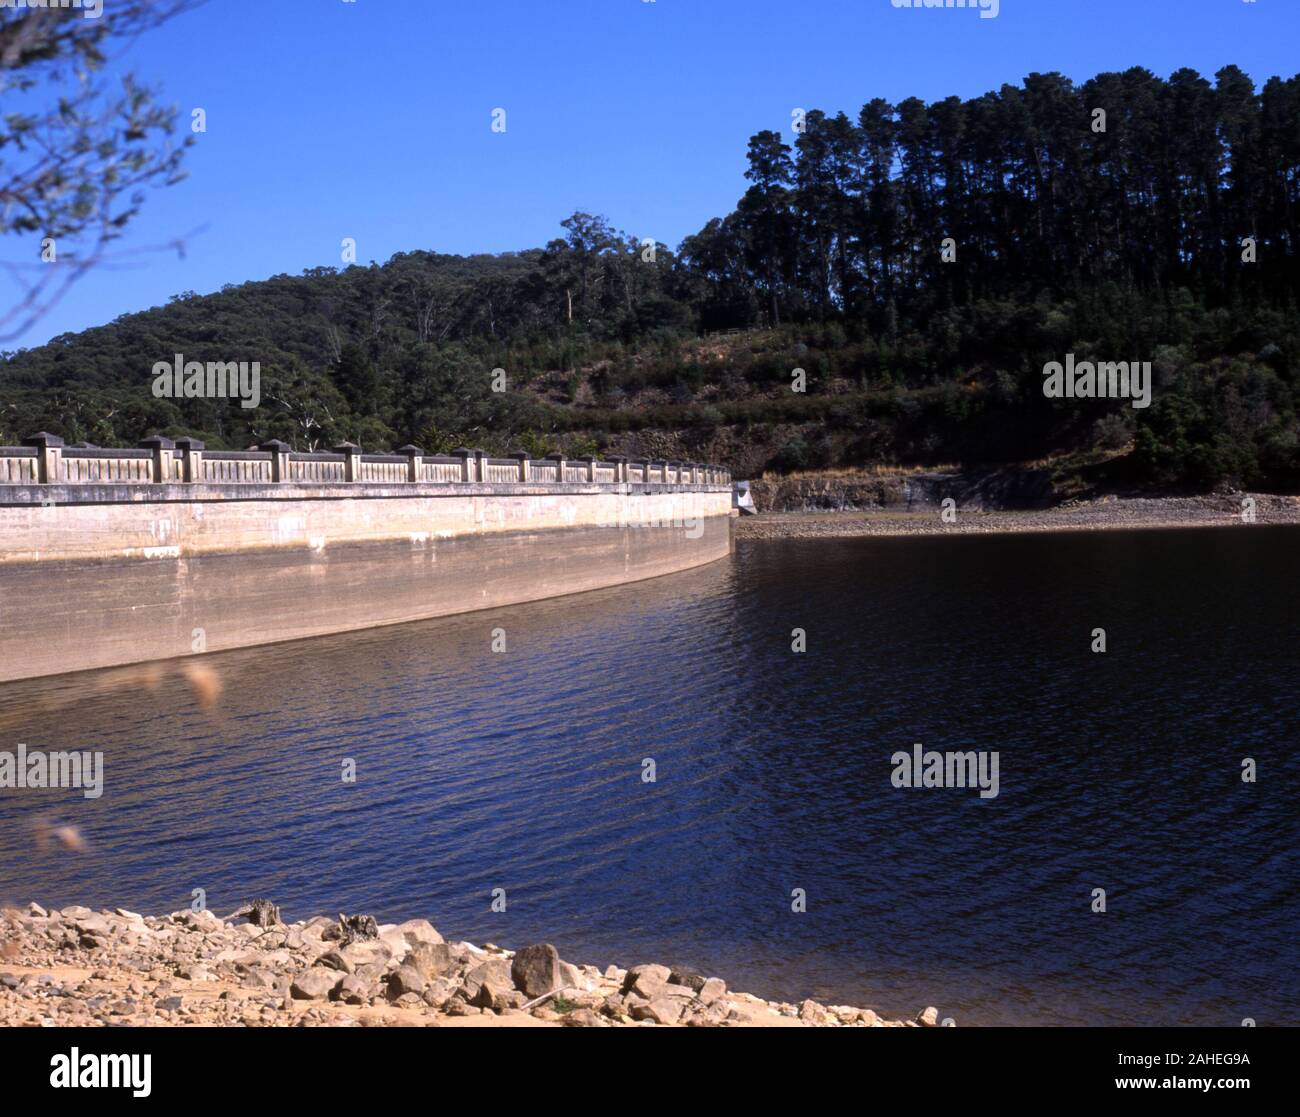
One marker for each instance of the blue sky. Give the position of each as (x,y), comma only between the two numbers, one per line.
(372,119)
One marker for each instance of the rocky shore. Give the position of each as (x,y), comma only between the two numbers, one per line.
(1107,514)
(82,968)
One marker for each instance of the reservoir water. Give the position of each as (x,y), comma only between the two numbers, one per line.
(522,769)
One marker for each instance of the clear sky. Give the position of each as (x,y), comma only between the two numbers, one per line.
(372,119)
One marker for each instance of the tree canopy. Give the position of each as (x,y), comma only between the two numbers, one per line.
(920,262)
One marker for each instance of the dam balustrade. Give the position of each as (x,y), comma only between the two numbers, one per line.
(44,459)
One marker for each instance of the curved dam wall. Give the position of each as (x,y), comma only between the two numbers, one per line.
(100,575)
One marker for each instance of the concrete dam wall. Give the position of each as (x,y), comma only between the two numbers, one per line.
(111,557)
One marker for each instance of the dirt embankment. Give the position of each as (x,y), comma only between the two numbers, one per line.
(1228,510)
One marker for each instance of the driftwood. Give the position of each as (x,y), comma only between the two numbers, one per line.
(548,996)
(352,928)
(260,913)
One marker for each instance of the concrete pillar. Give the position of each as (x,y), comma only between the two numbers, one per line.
(590,463)
(279,458)
(466,462)
(414,461)
(480,466)
(191,459)
(521,456)
(49,457)
(161,447)
(620,469)
(559,460)
(351,459)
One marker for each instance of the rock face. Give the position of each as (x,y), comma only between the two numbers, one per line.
(193,968)
(996,489)
(536,970)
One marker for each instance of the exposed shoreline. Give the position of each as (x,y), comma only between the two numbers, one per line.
(1106,514)
(80,968)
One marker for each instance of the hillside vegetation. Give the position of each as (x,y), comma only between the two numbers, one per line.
(1170,236)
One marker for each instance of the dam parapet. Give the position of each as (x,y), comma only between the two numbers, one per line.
(169,549)
(44,459)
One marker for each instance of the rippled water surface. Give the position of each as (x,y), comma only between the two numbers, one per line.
(522,770)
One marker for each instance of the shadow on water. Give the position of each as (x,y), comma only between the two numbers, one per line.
(522,770)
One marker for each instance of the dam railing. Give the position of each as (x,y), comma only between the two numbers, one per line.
(45,459)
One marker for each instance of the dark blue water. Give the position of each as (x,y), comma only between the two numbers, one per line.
(522,770)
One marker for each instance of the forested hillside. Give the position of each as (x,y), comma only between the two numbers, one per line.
(1164,230)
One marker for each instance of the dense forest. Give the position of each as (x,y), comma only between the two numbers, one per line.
(920,263)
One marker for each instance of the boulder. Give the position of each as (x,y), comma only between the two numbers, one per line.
(358,954)
(257,977)
(92,924)
(708,1016)
(403,980)
(353,990)
(536,970)
(431,959)
(440,990)
(201,921)
(614,1006)
(314,984)
(660,1010)
(396,943)
(810,1012)
(491,984)
(689,978)
(574,978)
(742,1013)
(928,1018)
(416,931)
(713,989)
(646,980)
(334,960)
